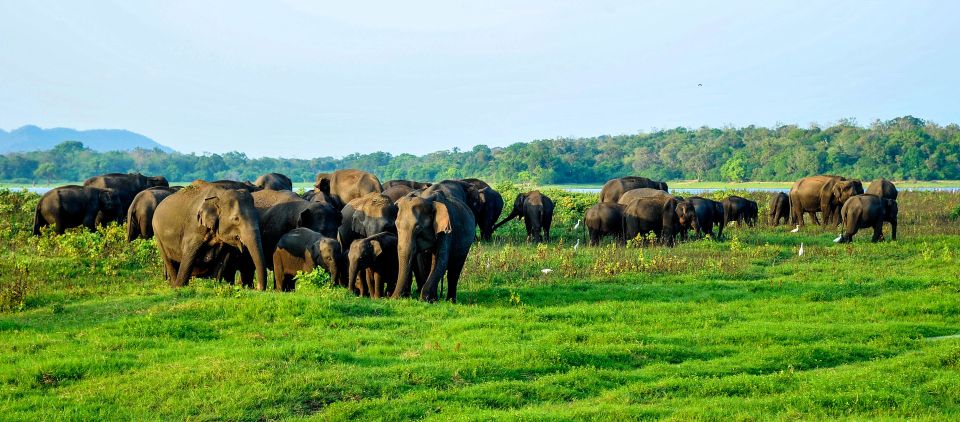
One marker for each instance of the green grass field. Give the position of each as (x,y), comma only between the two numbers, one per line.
(739,329)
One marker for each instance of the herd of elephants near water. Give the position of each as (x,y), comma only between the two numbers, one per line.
(375,238)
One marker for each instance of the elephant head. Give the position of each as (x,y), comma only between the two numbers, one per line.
(320,217)
(662,186)
(230,217)
(362,255)
(325,253)
(423,224)
(687,216)
(155,181)
(323,183)
(842,191)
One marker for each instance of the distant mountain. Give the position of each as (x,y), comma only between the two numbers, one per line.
(32,138)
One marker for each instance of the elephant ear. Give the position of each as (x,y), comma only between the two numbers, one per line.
(323,185)
(377,247)
(518,203)
(441,218)
(209,213)
(305,219)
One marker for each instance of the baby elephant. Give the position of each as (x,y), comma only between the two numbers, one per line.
(862,211)
(302,249)
(605,218)
(779,209)
(536,210)
(374,265)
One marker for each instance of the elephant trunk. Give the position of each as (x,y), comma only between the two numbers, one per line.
(251,239)
(353,272)
(406,253)
(513,214)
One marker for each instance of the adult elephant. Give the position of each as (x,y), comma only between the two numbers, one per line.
(536,210)
(227,184)
(740,209)
(690,221)
(632,195)
(126,186)
(491,208)
(197,226)
(709,214)
(883,188)
(413,185)
(140,214)
(605,219)
(435,232)
(656,215)
(463,191)
(614,188)
(779,209)
(366,216)
(397,191)
(302,249)
(74,206)
(824,194)
(863,211)
(347,185)
(274,181)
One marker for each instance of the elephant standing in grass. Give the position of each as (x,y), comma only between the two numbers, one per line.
(490,210)
(373,265)
(140,215)
(74,206)
(435,232)
(824,194)
(536,210)
(741,210)
(614,188)
(126,186)
(347,185)
(366,216)
(779,209)
(686,210)
(863,211)
(197,226)
(883,188)
(605,219)
(709,213)
(274,181)
(653,214)
(302,249)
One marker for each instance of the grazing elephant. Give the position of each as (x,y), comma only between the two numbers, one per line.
(709,214)
(862,211)
(614,188)
(74,206)
(883,188)
(302,249)
(274,181)
(652,214)
(605,219)
(227,184)
(366,216)
(397,191)
(824,194)
(126,186)
(140,214)
(408,183)
(373,265)
(536,210)
(197,227)
(779,209)
(741,210)
(435,232)
(490,210)
(689,214)
(347,185)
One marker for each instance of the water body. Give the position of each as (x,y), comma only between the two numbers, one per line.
(699,191)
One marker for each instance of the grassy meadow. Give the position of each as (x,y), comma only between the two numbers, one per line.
(741,329)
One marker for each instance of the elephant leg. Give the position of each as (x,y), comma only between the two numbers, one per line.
(377,290)
(422,270)
(453,276)
(190,253)
(594,237)
(547,222)
(529,226)
(278,273)
(813,215)
(877,232)
(371,289)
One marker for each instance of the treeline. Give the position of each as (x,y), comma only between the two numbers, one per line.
(902,148)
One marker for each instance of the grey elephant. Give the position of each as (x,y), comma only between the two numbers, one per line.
(140,214)
(687,219)
(465,192)
(302,249)
(408,183)
(436,232)
(347,185)
(779,209)
(74,206)
(373,265)
(197,226)
(227,184)
(126,186)
(490,210)
(824,194)
(397,191)
(366,216)
(741,210)
(614,188)
(883,188)
(536,210)
(863,211)
(604,219)
(656,215)
(274,181)
(709,214)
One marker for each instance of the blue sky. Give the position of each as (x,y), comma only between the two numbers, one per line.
(305,78)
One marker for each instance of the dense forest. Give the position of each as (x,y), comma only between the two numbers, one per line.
(902,148)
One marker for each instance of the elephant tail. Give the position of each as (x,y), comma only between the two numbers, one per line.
(133,227)
(38,220)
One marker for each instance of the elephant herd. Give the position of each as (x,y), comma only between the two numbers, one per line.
(840,201)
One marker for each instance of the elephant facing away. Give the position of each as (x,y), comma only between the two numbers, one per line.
(652,214)
(347,185)
(126,186)
(197,226)
(536,210)
(373,265)
(274,181)
(302,249)
(490,210)
(709,214)
(779,209)
(140,215)
(741,210)
(74,206)
(605,219)
(437,232)
(883,188)
(467,193)
(863,211)
(614,188)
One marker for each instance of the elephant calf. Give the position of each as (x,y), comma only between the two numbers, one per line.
(536,209)
(605,219)
(779,209)
(74,206)
(373,265)
(709,214)
(304,250)
(741,210)
(862,211)
(140,214)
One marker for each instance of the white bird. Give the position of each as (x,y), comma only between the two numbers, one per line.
(800,253)
(796,229)
(546,271)
(837,240)
(577,245)
(576,225)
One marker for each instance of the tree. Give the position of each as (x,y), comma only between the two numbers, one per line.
(733,170)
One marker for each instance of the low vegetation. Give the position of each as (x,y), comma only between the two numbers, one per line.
(744,328)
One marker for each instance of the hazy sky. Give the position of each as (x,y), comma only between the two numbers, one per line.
(309,78)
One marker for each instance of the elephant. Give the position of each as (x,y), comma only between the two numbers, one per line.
(689,221)
(313,195)
(373,265)
(140,214)
(825,194)
(614,188)
(467,193)
(536,210)
(709,214)
(656,214)
(397,191)
(267,198)
(126,186)
(490,210)
(197,227)
(862,211)
(408,183)
(883,188)
(633,194)
(602,219)
(74,206)
(435,232)
(274,181)
(779,209)
(302,249)
(741,210)
(228,184)
(347,185)
(366,216)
